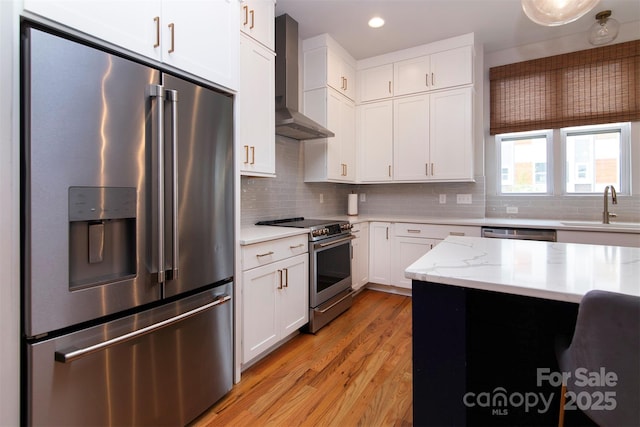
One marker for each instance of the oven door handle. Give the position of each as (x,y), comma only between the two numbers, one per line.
(334,242)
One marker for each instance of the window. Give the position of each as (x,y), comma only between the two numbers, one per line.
(524,162)
(587,159)
(594,158)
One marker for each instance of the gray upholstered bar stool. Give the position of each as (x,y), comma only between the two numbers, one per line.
(605,345)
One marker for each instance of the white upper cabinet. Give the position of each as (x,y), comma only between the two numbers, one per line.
(199,37)
(433,137)
(449,68)
(257,18)
(341,75)
(330,159)
(375,83)
(328,98)
(138,30)
(451,134)
(375,141)
(327,64)
(411,138)
(256,110)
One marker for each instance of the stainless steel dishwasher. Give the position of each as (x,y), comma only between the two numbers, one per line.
(544,235)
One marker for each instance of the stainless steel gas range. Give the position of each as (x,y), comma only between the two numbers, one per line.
(330,252)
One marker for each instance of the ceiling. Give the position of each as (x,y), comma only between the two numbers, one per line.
(497,24)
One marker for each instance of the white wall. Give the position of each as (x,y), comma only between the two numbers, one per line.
(9,218)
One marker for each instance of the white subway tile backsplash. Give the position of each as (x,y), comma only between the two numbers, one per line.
(287,195)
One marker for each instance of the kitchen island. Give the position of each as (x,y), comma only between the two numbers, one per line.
(486,315)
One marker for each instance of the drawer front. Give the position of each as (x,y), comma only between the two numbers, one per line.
(432,231)
(274,250)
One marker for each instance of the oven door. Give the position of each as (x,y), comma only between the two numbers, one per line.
(330,268)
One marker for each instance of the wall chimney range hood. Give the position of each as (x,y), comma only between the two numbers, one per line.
(289,121)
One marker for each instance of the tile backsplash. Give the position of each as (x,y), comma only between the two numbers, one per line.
(287,195)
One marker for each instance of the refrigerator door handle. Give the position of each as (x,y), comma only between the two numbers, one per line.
(73,353)
(157,91)
(172,96)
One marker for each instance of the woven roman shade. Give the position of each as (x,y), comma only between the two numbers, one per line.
(594,86)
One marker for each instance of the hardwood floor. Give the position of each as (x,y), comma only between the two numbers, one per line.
(356,371)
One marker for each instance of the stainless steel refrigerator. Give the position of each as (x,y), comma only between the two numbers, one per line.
(127,253)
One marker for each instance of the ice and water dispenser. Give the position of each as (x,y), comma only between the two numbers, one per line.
(102,235)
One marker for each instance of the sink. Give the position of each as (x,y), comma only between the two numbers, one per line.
(597,224)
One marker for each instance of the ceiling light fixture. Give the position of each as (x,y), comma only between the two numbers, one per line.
(605,30)
(551,13)
(376,22)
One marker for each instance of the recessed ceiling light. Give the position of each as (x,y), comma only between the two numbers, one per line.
(376,22)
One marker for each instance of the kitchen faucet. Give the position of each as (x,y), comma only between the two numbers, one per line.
(614,199)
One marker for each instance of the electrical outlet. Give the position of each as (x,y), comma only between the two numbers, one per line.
(363,197)
(442,199)
(464,199)
(321,198)
(512,209)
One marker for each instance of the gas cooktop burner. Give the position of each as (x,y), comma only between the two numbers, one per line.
(320,228)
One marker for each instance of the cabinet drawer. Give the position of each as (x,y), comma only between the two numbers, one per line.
(274,250)
(432,231)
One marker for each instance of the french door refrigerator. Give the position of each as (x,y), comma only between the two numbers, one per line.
(127,253)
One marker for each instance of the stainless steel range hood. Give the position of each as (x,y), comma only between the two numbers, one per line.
(289,121)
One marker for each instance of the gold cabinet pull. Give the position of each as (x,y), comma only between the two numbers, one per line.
(264,254)
(432,80)
(280,284)
(431,169)
(246,14)
(253,154)
(426,169)
(301,245)
(286,277)
(426,80)
(389,170)
(246,154)
(157,21)
(346,83)
(172,29)
(252,19)
(389,86)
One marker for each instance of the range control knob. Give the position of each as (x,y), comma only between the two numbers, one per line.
(346,226)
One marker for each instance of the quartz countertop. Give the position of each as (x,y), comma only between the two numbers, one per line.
(554,224)
(262,233)
(556,271)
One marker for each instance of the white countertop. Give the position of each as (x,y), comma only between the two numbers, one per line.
(262,233)
(557,271)
(554,224)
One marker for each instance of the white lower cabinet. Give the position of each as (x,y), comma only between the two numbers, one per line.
(406,251)
(380,253)
(360,256)
(275,300)
(395,246)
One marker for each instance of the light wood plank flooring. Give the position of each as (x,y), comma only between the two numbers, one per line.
(356,371)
